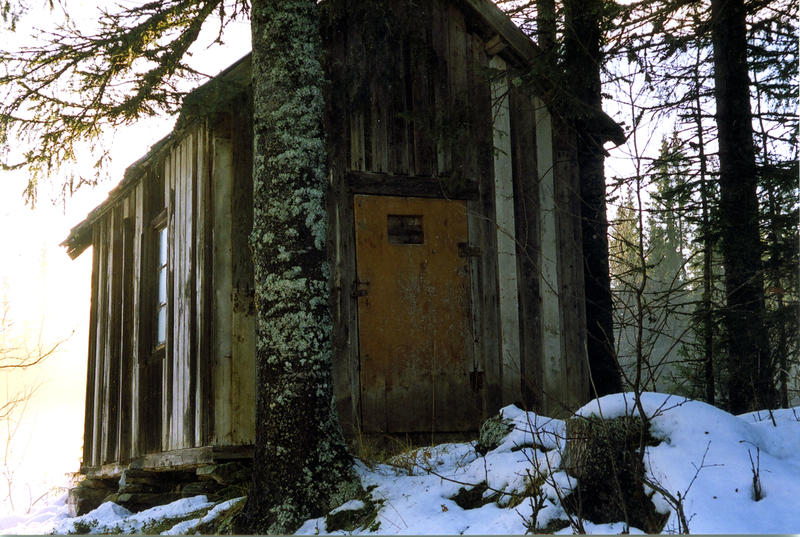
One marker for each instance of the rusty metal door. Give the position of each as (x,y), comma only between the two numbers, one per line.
(413,315)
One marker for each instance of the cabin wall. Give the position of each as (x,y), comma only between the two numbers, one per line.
(234,384)
(430,108)
(111,372)
(412,110)
(573,388)
(197,389)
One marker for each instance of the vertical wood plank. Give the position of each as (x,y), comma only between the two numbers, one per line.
(182,379)
(105,348)
(397,125)
(166,363)
(89,425)
(102,323)
(574,367)
(527,211)
(222,166)
(550,288)
(340,250)
(441,91)
(243,321)
(407,113)
(181,304)
(194,293)
(476,307)
(114,339)
(379,125)
(151,365)
(137,318)
(506,245)
(477,79)
(485,211)
(180,244)
(126,355)
(458,113)
(203,290)
(208,363)
(421,73)
(357,125)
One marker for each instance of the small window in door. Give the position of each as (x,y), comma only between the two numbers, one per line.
(404,229)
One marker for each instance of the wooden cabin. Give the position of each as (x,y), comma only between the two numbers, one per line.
(454,246)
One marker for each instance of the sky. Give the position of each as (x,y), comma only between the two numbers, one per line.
(48,294)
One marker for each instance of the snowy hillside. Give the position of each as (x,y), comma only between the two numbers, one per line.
(708,458)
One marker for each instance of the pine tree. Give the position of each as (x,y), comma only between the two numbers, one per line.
(773,55)
(750,375)
(668,256)
(625,261)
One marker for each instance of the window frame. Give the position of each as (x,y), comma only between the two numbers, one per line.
(160,229)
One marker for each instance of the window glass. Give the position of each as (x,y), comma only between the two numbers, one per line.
(161,297)
(162,286)
(161,331)
(162,247)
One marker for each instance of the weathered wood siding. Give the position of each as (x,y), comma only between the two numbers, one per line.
(234,319)
(196,390)
(410,114)
(432,107)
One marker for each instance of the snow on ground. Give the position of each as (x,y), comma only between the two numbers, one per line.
(112,518)
(41,521)
(704,457)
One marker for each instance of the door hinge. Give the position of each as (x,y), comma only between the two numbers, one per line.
(360,289)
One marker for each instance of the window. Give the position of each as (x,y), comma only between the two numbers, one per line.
(404,229)
(161,296)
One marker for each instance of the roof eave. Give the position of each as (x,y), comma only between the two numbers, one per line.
(80,236)
(606,129)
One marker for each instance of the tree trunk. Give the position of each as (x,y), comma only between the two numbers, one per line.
(546,27)
(750,383)
(583,58)
(708,247)
(301,464)
(607,458)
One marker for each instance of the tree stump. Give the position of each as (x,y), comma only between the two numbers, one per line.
(606,457)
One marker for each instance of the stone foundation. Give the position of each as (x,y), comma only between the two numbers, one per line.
(140,489)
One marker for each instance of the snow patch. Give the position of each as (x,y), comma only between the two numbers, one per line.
(703,453)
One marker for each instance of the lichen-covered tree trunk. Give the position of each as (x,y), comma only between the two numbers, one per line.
(750,373)
(301,464)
